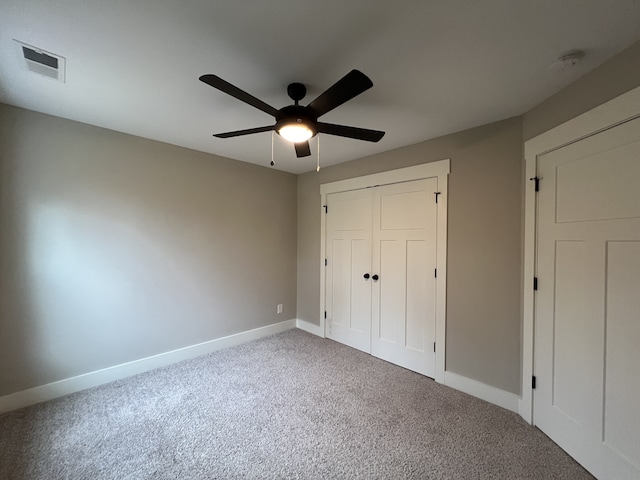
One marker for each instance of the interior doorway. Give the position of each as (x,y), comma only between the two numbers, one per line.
(581,321)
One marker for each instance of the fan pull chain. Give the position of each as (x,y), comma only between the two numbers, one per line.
(272,135)
(318,165)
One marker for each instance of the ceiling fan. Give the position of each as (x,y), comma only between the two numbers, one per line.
(298,123)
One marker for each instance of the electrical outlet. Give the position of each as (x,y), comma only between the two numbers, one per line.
(280,308)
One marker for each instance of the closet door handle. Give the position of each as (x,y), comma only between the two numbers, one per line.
(366,276)
(375,278)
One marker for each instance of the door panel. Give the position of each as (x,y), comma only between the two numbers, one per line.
(404,254)
(350,295)
(587,325)
(418,306)
(402,211)
(622,376)
(585,194)
(390,294)
(348,250)
(576,336)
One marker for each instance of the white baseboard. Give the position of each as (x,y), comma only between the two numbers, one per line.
(60,388)
(309,327)
(483,391)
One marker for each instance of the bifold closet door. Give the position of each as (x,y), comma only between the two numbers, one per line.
(380,272)
(404,258)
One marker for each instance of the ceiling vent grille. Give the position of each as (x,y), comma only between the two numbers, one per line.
(42,62)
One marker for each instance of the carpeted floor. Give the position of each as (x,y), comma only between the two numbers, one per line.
(288,406)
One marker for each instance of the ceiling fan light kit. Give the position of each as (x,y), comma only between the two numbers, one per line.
(294,123)
(297,123)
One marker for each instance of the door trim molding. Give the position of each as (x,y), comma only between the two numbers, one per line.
(616,111)
(439,169)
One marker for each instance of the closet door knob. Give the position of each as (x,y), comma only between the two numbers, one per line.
(366,276)
(375,278)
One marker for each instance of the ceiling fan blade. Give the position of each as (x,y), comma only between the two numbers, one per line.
(351,85)
(302,149)
(351,132)
(226,87)
(239,133)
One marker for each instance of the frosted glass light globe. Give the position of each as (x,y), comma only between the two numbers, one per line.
(296,133)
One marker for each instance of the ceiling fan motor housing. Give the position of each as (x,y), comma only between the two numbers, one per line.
(296,91)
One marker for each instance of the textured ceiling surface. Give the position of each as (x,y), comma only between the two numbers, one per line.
(437,66)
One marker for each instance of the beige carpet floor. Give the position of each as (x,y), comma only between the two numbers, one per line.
(288,406)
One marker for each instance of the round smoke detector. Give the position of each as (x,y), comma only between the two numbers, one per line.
(568,60)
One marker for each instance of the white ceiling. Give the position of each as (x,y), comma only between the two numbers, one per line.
(438,66)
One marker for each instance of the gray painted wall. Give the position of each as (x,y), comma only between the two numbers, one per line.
(114,248)
(483,276)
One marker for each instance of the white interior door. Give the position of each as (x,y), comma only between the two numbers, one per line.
(587,322)
(380,272)
(348,254)
(404,260)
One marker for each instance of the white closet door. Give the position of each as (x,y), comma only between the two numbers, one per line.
(587,330)
(348,252)
(404,259)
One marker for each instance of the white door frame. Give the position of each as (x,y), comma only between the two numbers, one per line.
(438,169)
(616,111)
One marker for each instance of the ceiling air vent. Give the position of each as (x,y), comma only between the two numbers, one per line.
(42,62)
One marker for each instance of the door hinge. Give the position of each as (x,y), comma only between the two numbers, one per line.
(533,381)
(535,283)
(537,183)
(325,314)
(437,194)
(435,273)
(326,208)
(326,262)
(434,347)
